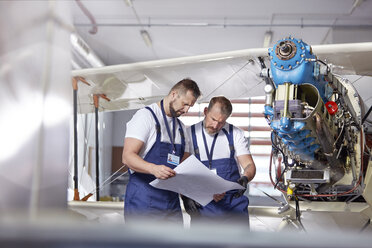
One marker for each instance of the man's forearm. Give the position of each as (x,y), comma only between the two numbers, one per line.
(250,171)
(136,163)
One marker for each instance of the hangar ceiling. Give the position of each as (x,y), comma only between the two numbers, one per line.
(191,27)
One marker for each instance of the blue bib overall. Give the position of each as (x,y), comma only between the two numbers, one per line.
(143,200)
(227,168)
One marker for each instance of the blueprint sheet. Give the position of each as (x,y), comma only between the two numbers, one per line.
(194,180)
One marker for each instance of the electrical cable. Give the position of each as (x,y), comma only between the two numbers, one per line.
(270,175)
(322,62)
(367,114)
(284,160)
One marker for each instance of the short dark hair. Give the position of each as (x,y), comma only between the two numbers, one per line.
(226,107)
(185,85)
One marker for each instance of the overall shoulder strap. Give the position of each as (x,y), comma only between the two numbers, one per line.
(194,142)
(158,129)
(181,133)
(230,139)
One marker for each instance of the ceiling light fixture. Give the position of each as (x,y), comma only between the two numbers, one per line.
(267,38)
(146,38)
(129,3)
(145,35)
(356,4)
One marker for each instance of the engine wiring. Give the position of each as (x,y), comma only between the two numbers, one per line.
(299,196)
(366,115)
(325,195)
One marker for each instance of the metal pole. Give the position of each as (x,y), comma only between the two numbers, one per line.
(76,190)
(75,81)
(97,148)
(96,105)
(97,157)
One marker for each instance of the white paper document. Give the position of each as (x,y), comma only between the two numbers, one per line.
(194,180)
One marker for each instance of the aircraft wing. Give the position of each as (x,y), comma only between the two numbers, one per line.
(233,74)
(350,58)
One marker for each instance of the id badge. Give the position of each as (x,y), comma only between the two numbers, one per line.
(173,159)
(214,171)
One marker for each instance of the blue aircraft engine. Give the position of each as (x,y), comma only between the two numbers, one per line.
(293,65)
(309,116)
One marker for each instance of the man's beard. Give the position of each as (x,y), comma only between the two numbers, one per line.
(172,111)
(210,131)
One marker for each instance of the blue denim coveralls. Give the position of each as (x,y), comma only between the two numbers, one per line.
(227,168)
(142,199)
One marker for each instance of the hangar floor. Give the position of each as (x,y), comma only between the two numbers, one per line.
(92,224)
(262,218)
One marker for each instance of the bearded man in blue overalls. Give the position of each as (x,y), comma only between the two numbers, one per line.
(155,143)
(224,149)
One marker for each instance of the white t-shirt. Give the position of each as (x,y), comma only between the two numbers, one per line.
(221,148)
(142,127)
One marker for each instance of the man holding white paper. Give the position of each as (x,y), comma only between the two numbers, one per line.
(154,145)
(222,148)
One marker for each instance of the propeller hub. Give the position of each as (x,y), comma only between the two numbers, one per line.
(286,50)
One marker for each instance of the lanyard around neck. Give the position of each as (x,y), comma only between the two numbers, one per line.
(209,154)
(172,138)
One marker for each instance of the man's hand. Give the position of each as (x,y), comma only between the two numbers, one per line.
(218,197)
(162,172)
(243,181)
(191,206)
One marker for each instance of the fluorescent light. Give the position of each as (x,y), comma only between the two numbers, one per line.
(146,37)
(267,38)
(129,3)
